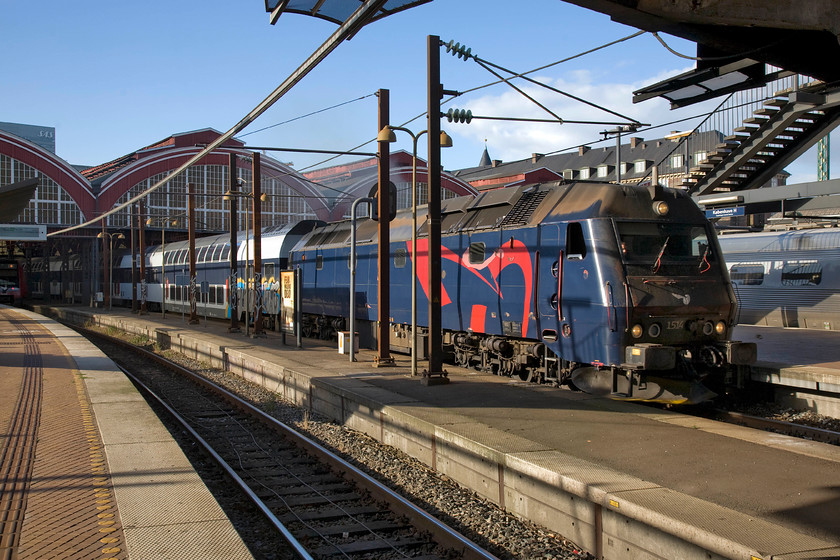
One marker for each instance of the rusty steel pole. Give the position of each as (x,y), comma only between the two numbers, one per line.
(142,223)
(106,256)
(134,304)
(383,357)
(256,193)
(232,295)
(435,373)
(193,320)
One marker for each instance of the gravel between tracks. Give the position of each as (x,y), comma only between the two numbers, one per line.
(485,523)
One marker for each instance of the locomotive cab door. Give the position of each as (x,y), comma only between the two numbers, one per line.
(585,317)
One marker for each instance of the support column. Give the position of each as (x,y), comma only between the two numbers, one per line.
(135,307)
(256,193)
(141,222)
(106,258)
(383,324)
(233,306)
(193,320)
(435,374)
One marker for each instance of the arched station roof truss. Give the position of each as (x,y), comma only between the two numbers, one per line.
(48,165)
(115,187)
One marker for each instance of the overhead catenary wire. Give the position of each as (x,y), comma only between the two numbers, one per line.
(352,24)
(449,98)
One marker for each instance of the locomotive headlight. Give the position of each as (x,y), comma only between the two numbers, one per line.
(708,328)
(654,330)
(720,327)
(660,207)
(636,331)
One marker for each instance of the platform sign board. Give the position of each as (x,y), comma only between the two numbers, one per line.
(23,232)
(725,212)
(287,300)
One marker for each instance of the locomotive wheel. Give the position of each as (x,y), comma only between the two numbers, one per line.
(527,374)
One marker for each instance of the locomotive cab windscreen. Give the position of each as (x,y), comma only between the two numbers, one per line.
(665,248)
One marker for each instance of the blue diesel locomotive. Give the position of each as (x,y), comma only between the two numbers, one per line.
(615,289)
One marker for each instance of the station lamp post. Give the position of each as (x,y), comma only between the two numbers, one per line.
(110,262)
(387,135)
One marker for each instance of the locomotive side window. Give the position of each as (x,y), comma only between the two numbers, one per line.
(801,274)
(575,244)
(319,262)
(747,274)
(400,258)
(477,253)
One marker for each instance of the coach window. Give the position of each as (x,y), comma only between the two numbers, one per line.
(319,262)
(477,253)
(202,253)
(268,271)
(400,258)
(225,253)
(575,244)
(801,274)
(747,274)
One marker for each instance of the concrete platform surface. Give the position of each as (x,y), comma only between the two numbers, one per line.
(601,472)
(108,479)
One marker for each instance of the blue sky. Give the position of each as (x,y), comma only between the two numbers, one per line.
(112,77)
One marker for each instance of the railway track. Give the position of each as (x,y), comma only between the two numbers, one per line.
(779,426)
(294,481)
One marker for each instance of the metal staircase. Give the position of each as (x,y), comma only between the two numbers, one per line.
(776,134)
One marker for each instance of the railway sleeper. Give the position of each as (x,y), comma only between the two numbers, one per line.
(360,547)
(357,528)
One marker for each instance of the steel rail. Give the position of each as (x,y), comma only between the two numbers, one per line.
(299,549)
(444,535)
(787,428)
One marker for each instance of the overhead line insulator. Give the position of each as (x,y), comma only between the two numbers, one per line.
(459,116)
(458,50)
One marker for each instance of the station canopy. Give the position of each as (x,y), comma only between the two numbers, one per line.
(335,11)
(15,197)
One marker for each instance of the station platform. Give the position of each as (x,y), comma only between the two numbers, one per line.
(88,471)
(623,481)
(802,365)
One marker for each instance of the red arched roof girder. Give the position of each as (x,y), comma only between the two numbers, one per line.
(400,172)
(52,166)
(121,182)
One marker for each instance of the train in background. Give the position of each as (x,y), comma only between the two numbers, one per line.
(13,284)
(786,278)
(168,265)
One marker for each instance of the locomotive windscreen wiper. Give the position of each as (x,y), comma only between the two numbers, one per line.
(658,260)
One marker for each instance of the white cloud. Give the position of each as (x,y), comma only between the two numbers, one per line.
(510,140)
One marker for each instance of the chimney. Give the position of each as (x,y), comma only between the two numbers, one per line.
(535,157)
(635,141)
(582,150)
(497,162)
